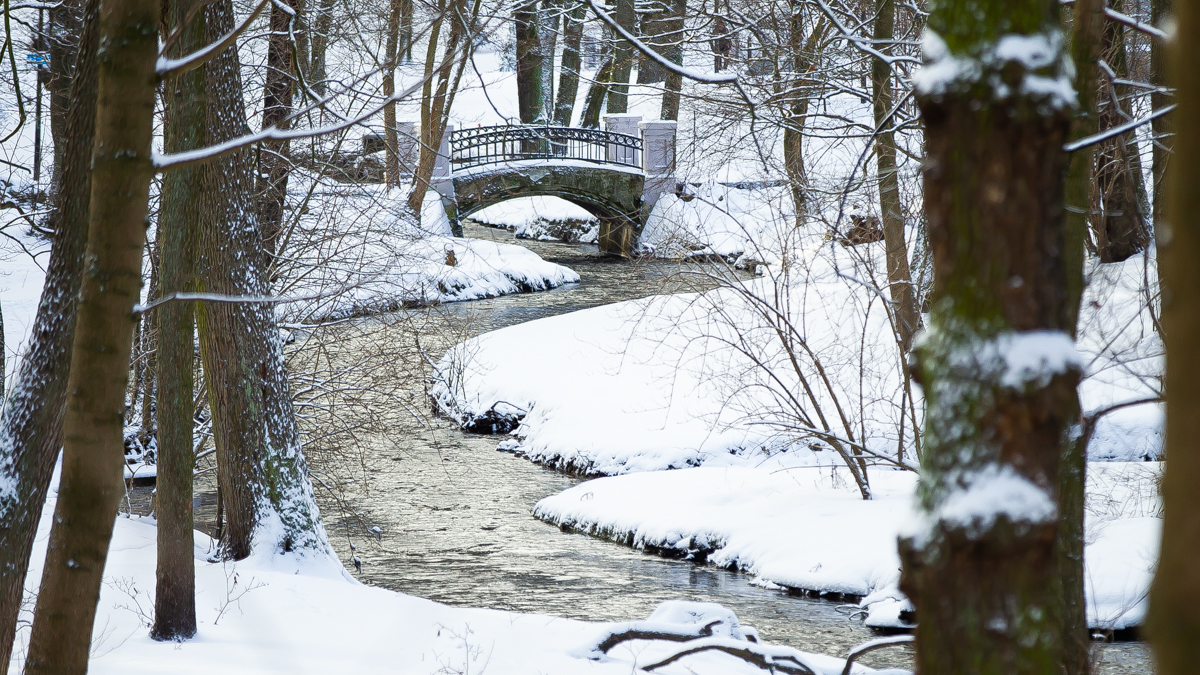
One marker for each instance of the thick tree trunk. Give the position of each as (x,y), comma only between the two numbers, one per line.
(31,420)
(531,97)
(674,52)
(549,18)
(266,491)
(322,25)
(274,157)
(183,129)
(93,449)
(618,92)
(66,21)
(1085,52)
(980,565)
(391,142)
(1174,621)
(568,75)
(589,118)
(1121,229)
(655,32)
(905,315)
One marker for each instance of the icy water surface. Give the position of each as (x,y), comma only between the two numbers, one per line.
(454,514)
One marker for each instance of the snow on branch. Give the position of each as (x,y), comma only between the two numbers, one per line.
(1115,131)
(1134,23)
(167,66)
(776,659)
(873,645)
(862,43)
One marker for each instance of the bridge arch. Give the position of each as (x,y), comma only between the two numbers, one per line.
(598,170)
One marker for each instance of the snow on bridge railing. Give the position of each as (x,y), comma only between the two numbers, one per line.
(495,145)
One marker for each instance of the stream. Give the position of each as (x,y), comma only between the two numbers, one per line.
(454,513)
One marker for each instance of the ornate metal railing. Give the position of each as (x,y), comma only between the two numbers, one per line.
(494,145)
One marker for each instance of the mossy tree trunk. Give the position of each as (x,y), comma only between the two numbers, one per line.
(93,449)
(981,563)
(905,315)
(31,420)
(530,64)
(593,103)
(618,92)
(266,490)
(183,129)
(1174,621)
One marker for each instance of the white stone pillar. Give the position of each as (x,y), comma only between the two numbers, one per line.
(658,160)
(622,124)
(441,165)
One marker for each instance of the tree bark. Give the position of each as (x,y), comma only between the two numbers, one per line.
(905,315)
(1121,230)
(267,494)
(674,52)
(31,420)
(984,578)
(274,157)
(1159,99)
(1174,620)
(531,96)
(391,142)
(618,92)
(656,34)
(589,118)
(93,449)
(65,25)
(550,22)
(322,25)
(183,129)
(801,44)
(1087,26)
(568,74)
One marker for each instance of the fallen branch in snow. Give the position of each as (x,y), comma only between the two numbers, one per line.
(767,657)
(650,630)
(872,645)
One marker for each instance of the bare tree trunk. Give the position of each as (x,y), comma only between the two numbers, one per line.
(303,47)
(66,21)
(549,17)
(31,420)
(1121,230)
(1085,51)
(274,157)
(618,92)
(589,118)
(436,102)
(674,52)
(406,30)
(183,129)
(93,449)
(1174,620)
(391,166)
(568,75)
(322,25)
(149,349)
(266,491)
(801,43)
(904,298)
(984,578)
(531,97)
(655,33)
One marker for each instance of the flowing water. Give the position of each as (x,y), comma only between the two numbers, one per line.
(454,514)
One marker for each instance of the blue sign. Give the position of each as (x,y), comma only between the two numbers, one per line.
(38,59)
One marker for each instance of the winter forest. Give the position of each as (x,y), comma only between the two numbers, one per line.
(506,337)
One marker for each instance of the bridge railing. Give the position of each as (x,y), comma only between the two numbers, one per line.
(495,145)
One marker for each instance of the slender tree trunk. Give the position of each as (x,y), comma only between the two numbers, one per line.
(274,157)
(531,95)
(93,448)
(984,576)
(406,30)
(303,48)
(149,349)
(183,129)
(1174,621)
(801,43)
(1085,52)
(266,490)
(674,52)
(391,141)
(1121,230)
(594,102)
(568,76)
(31,419)
(905,314)
(618,92)
(550,18)
(322,25)
(1159,99)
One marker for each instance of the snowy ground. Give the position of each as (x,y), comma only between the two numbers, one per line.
(807,528)
(282,614)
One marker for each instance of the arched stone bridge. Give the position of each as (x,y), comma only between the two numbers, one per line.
(604,172)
